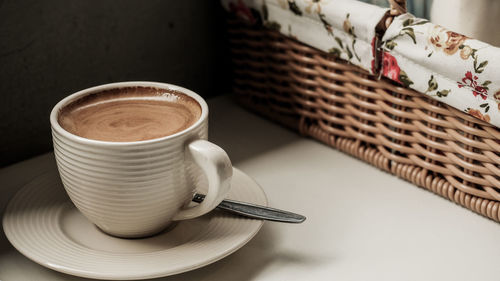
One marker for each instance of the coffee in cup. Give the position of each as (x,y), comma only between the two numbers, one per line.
(130,156)
(129,114)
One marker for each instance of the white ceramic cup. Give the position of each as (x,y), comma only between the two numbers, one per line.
(136,189)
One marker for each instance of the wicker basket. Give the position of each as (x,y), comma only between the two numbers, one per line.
(398,130)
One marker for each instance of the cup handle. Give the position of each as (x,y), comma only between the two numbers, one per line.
(214,161)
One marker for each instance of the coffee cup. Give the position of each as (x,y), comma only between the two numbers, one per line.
(131,155)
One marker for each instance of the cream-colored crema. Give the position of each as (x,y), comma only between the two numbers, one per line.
(129,114)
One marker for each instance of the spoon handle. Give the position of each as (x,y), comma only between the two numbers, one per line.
(255,211)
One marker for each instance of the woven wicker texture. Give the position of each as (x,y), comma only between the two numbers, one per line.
(395,129)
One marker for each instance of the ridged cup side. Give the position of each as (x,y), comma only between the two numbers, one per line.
(128,190)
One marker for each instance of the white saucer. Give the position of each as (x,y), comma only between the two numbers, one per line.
(44,225)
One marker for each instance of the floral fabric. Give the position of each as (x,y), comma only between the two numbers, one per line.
(448,66)
(342,27)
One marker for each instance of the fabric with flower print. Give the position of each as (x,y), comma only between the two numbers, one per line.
(344,28)
(445,40)
(450,67)
(471,81)
(391,70)
(477,113)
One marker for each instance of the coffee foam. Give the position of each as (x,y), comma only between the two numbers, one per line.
(129,114)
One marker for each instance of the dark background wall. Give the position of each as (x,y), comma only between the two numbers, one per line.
(52,48)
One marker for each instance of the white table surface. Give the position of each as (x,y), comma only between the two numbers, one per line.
(362,223)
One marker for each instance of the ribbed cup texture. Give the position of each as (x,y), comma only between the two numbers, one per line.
(129,190)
